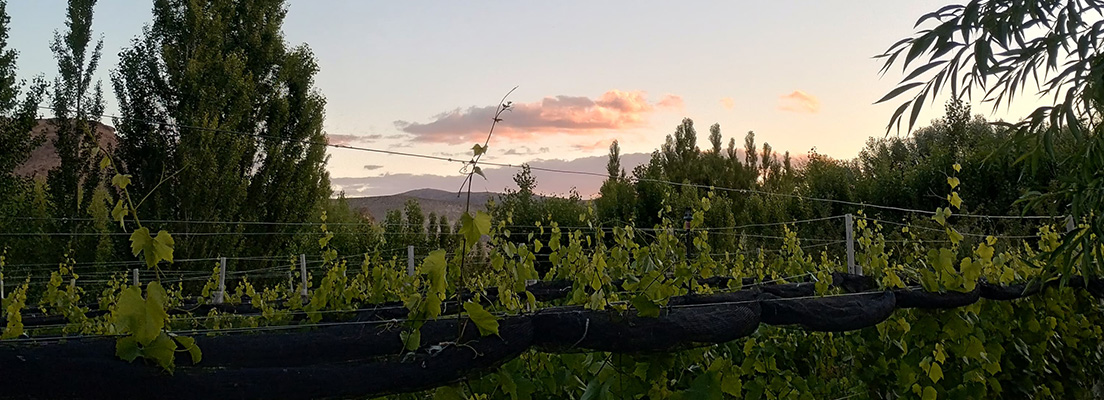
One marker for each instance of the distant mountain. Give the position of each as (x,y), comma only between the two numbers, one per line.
(44,158)
(440,202)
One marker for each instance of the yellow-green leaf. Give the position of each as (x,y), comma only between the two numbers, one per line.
(119,212)
(930,393)
(955,200)
(127,349)
(485,321)
(105,162)
(188,343)
(120,181)
(162,350)
(935,373)
(957,167)
(645,307)
(475,227)
(953,182)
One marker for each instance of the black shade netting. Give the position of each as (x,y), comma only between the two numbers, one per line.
(573,329)
(1005,293)
(907,298)
(787,290)
(837,313)
(430,366)
(853,283)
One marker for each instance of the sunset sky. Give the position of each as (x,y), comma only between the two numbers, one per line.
(424,77)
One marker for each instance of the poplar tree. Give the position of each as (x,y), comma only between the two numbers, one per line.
(223,119)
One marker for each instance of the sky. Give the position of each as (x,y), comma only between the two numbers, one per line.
(425,77)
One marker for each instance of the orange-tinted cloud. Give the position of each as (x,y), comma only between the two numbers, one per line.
(614,110)
(672,102)
(799,102)
(728,103)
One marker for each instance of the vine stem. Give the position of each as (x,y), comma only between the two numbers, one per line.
(473,164)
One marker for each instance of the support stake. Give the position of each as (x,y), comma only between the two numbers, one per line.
(303,274)
(134,277)
(409,260)
(848,225)
(220,294)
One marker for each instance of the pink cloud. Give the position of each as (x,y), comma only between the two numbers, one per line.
(614,110)
(337,139)
(728,103)
(799,102)
(671,102)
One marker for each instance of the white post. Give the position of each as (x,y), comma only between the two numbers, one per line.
(409,260)
(851,267)
(303,273)
(2,295)
(1070,226)
(134,277)
(220,294)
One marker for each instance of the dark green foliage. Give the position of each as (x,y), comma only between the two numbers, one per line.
(217,107)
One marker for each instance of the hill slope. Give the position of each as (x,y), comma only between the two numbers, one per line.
(435,201)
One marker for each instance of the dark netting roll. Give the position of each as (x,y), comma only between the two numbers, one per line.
(739,296)
(829,314)
(787,290)
(550,290)
(572,329)
(853,283)
(429,367)
(1005,293)
(331,344)
(907,298)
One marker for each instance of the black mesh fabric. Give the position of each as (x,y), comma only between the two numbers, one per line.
(853,283)
(1005,293)
(828,314)
(431,366)
(572,329)
(787,290)
(907,298)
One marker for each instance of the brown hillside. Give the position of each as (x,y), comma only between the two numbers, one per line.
(45,157)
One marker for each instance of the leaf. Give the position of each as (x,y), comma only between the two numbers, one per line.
(478,150)
(955,200)
(645,307)
(705,387)
(474,228)
(434,266)
(163,246)
(953,182)
(448,393)
(897,92)
(120,181)
(954,235)
(594,389)
(485,321)
(154,250)
(119,212)
(412,340)
(957,167)
(731,384)
(479,171)
(105,162)
(188,343)
(162,350)
(930,393)
(127,349)
(935,373)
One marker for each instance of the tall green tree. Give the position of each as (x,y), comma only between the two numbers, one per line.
(18,113)
(77,105)
(215,105)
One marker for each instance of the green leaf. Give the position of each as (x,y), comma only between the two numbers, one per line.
(434,266)
(162,350)
(163,246)
(479,171)
(474,228)
(953,182)
(645,307)
(935,373)
(188,343)
(897,91)
(731,384)
(930,393)
(127,349)
(448,393)
(478,150)
(955,200)
(485,321)
(120,181)
(119,212)
(412,340)
(594,389)
(105,162)
(705,387)
(954,235)
(153,250)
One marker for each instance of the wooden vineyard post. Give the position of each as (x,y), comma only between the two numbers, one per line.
(303,274)
(848,227)
(220,294)
(134,277)
(409,260)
